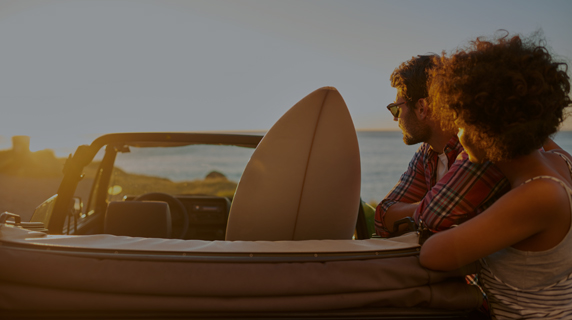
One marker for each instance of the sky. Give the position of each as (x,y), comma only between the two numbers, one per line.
(71,70)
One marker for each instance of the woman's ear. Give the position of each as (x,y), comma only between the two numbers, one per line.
(422,109)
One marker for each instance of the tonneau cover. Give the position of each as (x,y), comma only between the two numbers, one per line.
(103,272)
(110,242)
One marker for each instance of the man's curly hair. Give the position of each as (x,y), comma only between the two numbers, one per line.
(410,78)
(508,94)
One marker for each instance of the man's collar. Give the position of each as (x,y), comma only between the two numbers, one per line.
(452,144)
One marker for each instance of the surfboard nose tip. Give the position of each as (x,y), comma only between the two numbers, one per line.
(328,88)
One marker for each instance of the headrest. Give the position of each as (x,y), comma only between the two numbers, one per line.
(151,219)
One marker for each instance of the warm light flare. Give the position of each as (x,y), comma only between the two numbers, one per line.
(61,145)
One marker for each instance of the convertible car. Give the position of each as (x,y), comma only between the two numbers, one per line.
(130,234)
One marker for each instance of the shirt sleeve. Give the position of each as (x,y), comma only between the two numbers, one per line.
(465,191)
(411,188)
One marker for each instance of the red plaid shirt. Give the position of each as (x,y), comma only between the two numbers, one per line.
(466,190)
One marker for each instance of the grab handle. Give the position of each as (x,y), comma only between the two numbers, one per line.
(4,216)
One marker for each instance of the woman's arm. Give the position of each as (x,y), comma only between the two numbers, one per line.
(550,145)
(521,213)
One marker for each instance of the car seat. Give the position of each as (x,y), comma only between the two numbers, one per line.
(151,219)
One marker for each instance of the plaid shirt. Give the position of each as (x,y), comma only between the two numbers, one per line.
(466,190)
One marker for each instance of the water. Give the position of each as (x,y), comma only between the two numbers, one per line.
(384,157)
(186,163)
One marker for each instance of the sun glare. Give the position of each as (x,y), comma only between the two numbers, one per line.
(61,145)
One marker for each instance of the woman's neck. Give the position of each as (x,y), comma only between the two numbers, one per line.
(518,170)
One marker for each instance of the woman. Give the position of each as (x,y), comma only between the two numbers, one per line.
(506,97)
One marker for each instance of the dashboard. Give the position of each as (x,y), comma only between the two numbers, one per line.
(208,216)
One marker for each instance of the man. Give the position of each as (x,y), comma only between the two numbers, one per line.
(441,187)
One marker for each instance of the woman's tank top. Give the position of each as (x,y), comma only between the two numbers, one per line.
(531,285)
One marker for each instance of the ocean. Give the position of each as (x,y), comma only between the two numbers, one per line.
(384,157)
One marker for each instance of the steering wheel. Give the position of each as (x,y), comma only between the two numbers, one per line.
(179,216)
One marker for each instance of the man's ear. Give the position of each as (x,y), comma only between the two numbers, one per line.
(422,109)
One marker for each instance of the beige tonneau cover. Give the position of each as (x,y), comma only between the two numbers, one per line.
(105,272)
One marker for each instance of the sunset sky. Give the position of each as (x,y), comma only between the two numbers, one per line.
(71,70)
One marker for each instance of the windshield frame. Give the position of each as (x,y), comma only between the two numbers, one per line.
(84,155)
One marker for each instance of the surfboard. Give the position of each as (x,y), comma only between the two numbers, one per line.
(303,180)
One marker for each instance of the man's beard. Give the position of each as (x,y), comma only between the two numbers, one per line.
(415,131)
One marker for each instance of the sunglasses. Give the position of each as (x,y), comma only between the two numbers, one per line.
(395,109)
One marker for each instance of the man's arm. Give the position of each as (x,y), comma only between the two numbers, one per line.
(465,191)
(397,211)
(403,198)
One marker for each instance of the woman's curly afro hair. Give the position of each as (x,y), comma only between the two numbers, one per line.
(508,94)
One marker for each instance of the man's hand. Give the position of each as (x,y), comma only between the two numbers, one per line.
(398,211)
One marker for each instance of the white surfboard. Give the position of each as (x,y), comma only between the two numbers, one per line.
(303,180)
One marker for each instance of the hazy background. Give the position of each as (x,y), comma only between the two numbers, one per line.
(71,70)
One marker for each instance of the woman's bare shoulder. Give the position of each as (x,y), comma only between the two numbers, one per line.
(559,153)
(542,194)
